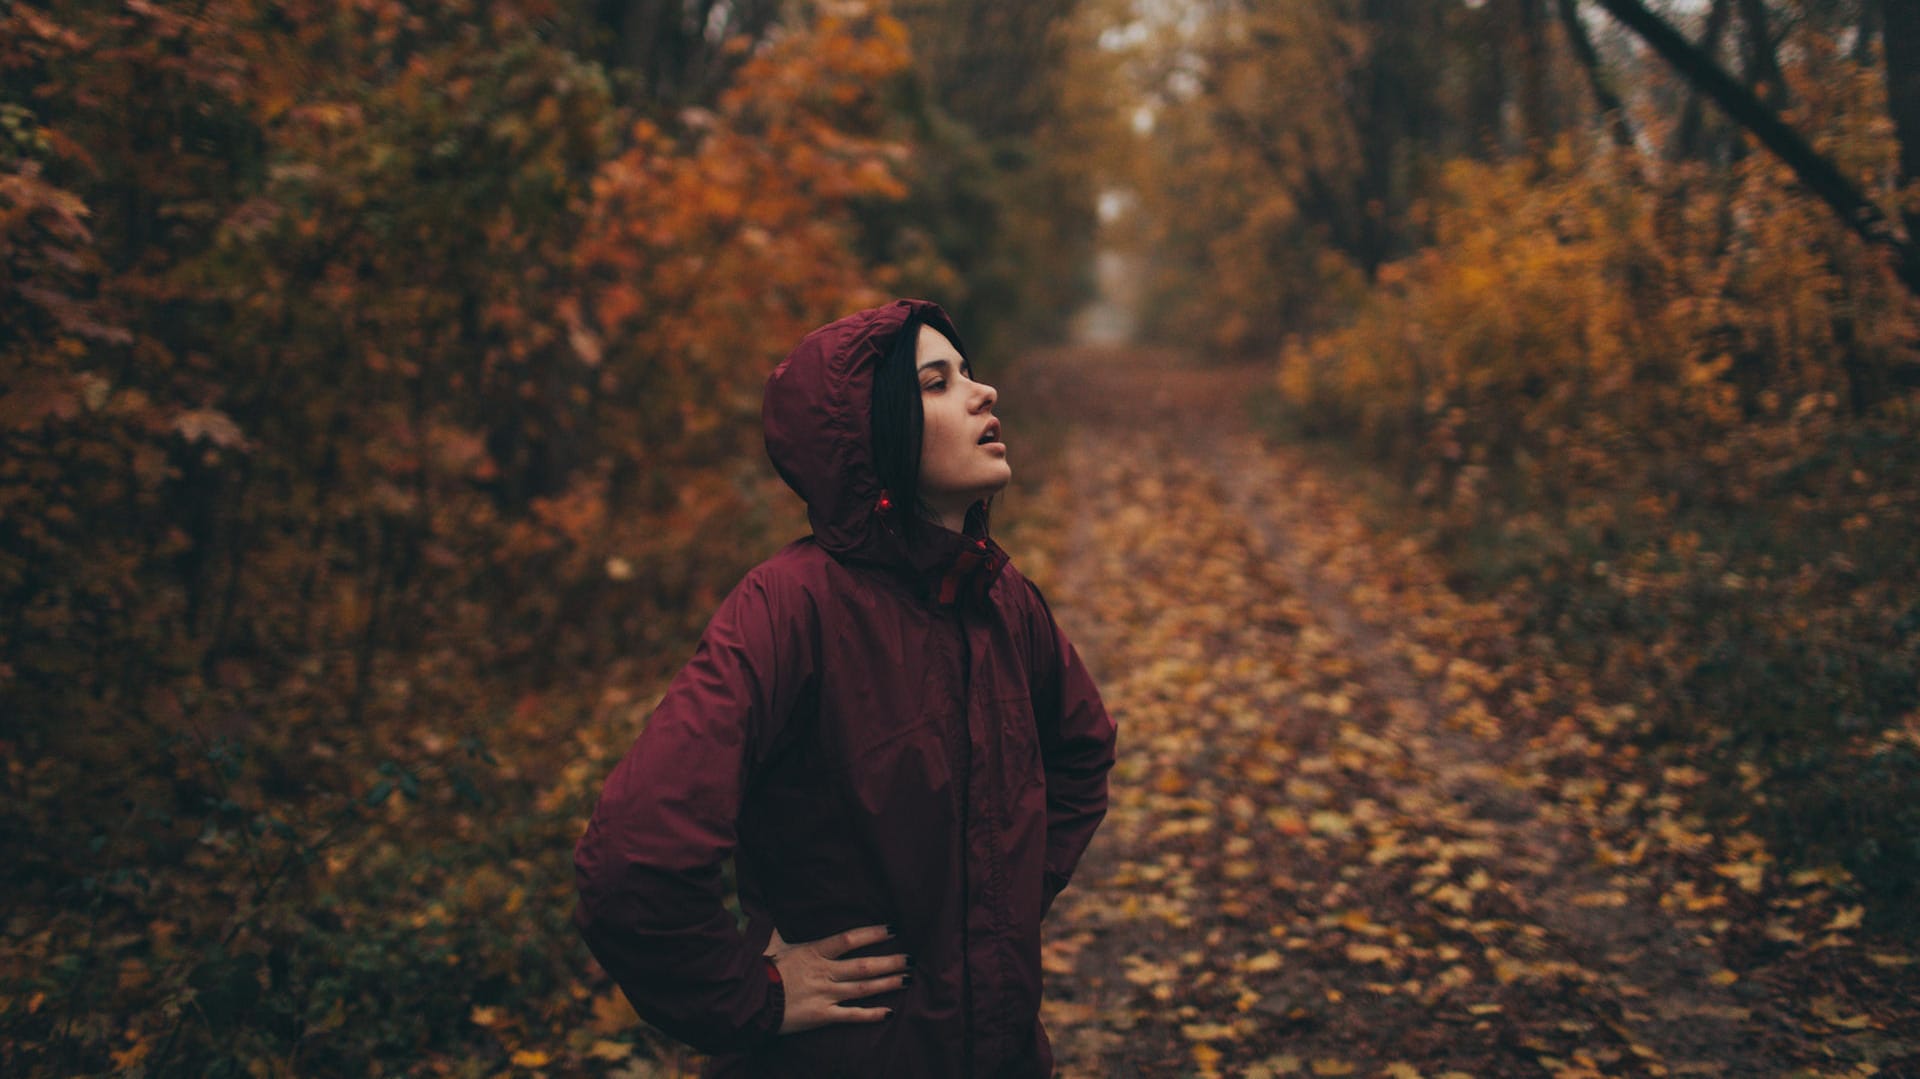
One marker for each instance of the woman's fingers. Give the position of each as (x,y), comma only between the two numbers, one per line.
(839,944)
(872,966)
(818,980)
(843,1014)
(868,987)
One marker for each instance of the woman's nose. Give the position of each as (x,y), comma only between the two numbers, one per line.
(988,397)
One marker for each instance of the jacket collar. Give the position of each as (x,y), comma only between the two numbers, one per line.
(947,568)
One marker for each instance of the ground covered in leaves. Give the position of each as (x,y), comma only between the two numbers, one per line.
(1359,827)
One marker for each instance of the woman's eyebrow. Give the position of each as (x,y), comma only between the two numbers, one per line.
(936,363)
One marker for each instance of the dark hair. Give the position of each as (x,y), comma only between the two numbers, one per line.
(897,421)
(897,424)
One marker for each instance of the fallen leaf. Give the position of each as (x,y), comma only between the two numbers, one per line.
(1847,918)
(609,1050)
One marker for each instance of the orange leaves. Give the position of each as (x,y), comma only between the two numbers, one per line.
(1379,886)
(211,426)
(410,369)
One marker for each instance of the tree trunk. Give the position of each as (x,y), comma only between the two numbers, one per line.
(1900,42)
(1538,118)
(1610,105)
(1686,139)
(1864,32)
(1762,66)
(1819,175)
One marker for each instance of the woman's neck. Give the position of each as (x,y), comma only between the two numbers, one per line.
(951,518)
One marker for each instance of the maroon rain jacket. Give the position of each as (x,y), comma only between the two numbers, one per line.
(877,734)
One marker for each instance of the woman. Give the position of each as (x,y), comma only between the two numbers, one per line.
(885,730)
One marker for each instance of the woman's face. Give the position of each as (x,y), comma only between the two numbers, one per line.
(962,457)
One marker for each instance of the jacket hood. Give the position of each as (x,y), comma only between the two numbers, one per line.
(817,417)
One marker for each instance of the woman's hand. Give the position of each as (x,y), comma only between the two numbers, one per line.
(816,979)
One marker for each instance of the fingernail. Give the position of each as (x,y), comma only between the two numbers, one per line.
(906,979)
(891,931)
(909,960)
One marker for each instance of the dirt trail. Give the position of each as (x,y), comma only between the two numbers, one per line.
(1358,827)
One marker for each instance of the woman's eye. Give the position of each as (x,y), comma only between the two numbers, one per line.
(936,384)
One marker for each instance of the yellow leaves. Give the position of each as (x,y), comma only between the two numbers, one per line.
(603,1049)
(1782,932)
(1306,791)
(1372,953)
(1059,953)
(1262,963)
(1829,875)
(531,1058)
(1278,1064)
(1747,873)
(1683,776)
(1846,918)
(1358,921)
(130,1057)
(1395,866)
(1142,971)
(1213,1032)
(1678,837)
(610,1014)
(1286,821)
(1829,1011)
(1329,823)
(211,426)
(1454,896)
(1453,977)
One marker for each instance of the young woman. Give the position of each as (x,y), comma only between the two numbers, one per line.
(885,730)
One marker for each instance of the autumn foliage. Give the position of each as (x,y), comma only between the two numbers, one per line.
(1688,459)
(379,385)
(1629,372)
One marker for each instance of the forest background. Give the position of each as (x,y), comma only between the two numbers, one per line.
(379,396)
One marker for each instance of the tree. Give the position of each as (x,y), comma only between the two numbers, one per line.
(1819,174)
(1901,45)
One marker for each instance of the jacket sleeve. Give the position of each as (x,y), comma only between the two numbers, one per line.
(1076,747)
(649,868)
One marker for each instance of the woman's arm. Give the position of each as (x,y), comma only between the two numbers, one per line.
(1076,747)
(651,904)
(649,867)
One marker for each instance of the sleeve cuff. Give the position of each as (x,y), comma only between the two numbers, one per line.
(774,1012)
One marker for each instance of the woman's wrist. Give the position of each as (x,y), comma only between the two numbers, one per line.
(773,1014)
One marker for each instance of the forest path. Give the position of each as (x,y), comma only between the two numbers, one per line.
(1357,826)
